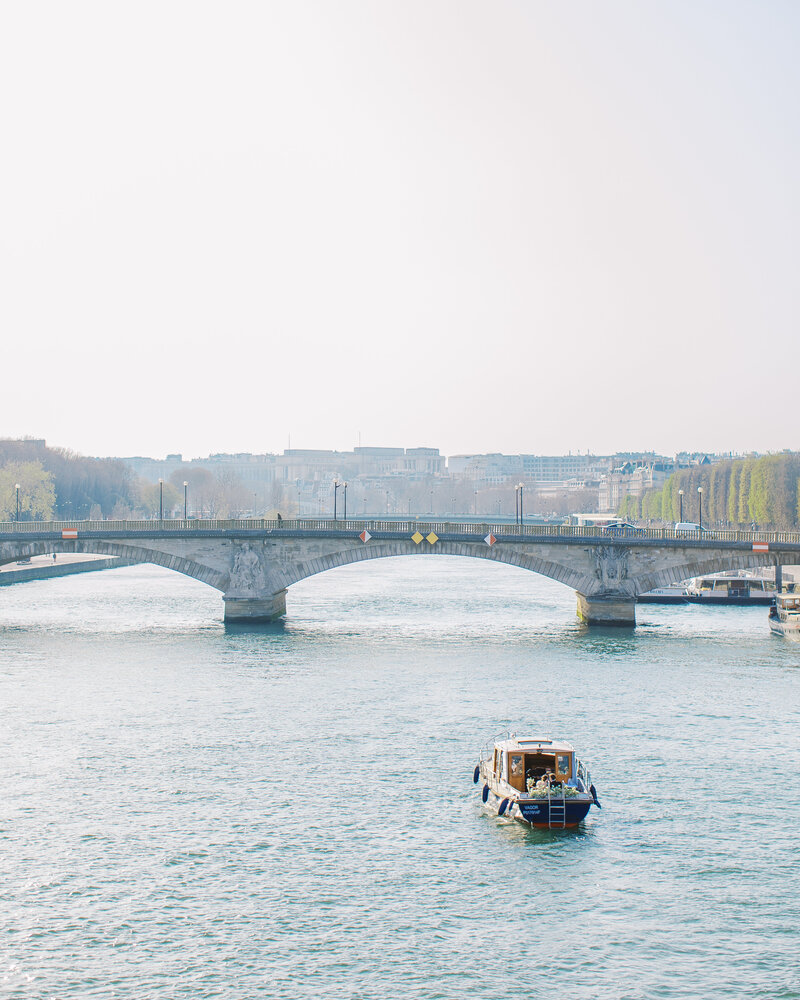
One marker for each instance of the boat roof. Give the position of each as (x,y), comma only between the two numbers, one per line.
(532,744)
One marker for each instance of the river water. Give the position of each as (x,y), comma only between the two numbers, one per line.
(195,811)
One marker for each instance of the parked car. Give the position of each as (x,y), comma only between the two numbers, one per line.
(682,527)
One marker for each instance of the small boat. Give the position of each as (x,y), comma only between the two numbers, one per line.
(676,593)
(784,614)
(535,780)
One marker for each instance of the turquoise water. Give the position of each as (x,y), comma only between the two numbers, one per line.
(190,811)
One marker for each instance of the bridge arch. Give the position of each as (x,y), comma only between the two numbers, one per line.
(302,570)
(707,562)
(134,553)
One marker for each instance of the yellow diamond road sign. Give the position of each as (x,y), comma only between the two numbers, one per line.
(432,538)
(416,538)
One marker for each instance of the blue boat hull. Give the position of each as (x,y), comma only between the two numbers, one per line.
(537,813)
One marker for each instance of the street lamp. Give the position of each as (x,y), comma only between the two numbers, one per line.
(161,499)
(475,503)
(431,510)
(700,494)
(336,485)
(185,500)
(521,514)
(453,500)
(16,487)
(680,496)
(345,500)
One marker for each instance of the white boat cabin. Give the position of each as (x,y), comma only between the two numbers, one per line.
(788,607)
(518,761)
(731,584)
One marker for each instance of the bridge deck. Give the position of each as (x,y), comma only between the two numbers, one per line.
(391,530)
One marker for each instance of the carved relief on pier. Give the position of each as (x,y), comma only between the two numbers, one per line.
(611,567)
(248,575)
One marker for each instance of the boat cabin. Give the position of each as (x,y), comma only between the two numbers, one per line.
(518,760)
(789,604)
(727,585)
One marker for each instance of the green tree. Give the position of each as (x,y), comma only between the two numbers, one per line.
(36,492)
(733,493)
(743,510)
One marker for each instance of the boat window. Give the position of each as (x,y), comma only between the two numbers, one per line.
(516,764)
(503,769)
(562,764)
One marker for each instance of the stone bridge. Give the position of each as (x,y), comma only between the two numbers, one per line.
(254,562)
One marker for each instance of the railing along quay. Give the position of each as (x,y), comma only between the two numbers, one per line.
(393,529)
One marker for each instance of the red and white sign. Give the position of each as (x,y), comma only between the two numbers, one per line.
(760,546)
(490,539)
(69,533)
(365,536)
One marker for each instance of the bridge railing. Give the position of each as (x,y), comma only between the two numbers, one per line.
(397,529)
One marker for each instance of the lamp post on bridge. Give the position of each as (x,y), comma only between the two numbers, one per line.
(336,485)
(345,500)
(161,499)
(680,497)
(185,500)
(16,487)
(518,491)
(700,494)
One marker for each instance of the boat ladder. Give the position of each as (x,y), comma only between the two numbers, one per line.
(557,819)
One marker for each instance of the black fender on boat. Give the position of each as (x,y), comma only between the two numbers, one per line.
(503,806)
(485,793)
(593,793)
(476,774)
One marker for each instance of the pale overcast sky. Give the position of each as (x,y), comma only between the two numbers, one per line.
(477,226)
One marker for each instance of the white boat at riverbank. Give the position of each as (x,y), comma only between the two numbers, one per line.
(736,587)
(784,615)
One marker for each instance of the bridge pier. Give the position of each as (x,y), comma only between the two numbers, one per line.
(616,609)
(255,609)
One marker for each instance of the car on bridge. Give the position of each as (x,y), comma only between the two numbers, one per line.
(623,528)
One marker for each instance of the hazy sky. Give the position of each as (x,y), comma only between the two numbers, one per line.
(477,226)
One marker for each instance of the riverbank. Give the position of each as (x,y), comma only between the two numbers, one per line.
(66,564)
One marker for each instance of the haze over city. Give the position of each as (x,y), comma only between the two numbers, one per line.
(511,227)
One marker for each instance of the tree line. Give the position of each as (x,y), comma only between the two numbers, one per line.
(57,484)
(741,492)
